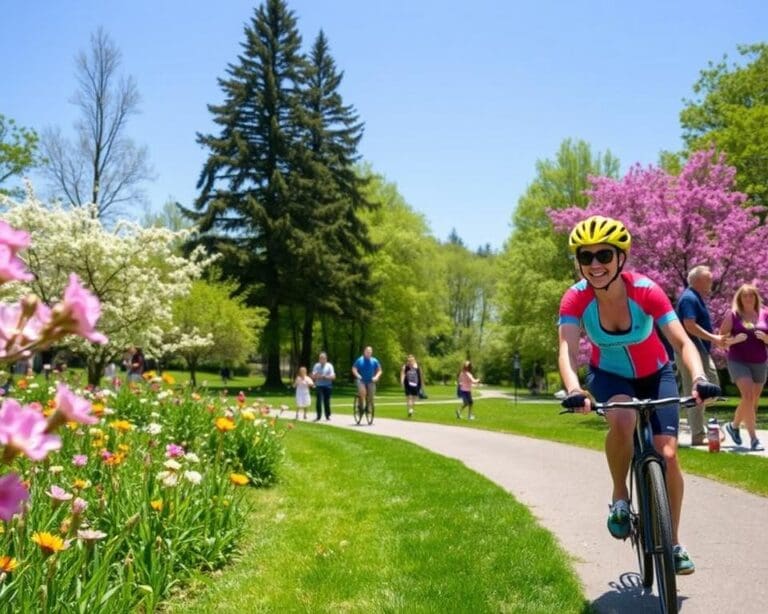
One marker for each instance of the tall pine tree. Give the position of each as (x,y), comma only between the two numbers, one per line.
(336,276)
(247,205)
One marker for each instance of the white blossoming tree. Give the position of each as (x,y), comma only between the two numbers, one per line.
(135,272)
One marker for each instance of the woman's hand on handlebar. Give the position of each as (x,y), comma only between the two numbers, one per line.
(704,390)
(578,402)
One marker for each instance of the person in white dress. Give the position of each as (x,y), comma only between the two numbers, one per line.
(303,383)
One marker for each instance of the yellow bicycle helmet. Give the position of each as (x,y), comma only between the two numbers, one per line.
(599,229)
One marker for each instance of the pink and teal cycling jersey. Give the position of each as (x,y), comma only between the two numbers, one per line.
(634,353)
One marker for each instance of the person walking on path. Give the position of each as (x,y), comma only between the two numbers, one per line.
(411,381)
(747,321)
(323,375)
(466,381)
(303,383)
(367,372)
(694,315)
(617,311)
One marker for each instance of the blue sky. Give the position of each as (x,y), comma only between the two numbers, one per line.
(459,99)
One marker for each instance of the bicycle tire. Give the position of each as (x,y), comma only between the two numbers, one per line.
(661,533)
(638,509)
(357,410)
(368,410)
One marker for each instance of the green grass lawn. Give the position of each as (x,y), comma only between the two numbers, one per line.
(372,524)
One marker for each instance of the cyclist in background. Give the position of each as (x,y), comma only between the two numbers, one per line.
(617,310)
(367,372)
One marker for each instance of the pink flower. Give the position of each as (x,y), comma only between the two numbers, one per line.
(13,493)
(11,267)
(79,505)
(79,460)
(72,407)
(14,239)
(173,450)
(83,309)
(58,494)
(21,325)
(24,430)
(90,535)
(106,455)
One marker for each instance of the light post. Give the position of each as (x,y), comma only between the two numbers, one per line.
(516,372)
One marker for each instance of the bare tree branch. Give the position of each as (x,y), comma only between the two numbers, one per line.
(105,167)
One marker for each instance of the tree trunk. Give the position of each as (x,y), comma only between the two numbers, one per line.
(306,337)
(272,348)
(192,364)
(95,365)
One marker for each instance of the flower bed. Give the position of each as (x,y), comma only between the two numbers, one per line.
(128,505)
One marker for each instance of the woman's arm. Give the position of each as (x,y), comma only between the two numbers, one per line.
(727,325)
(567,360)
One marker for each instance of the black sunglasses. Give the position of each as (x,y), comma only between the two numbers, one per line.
(603,256)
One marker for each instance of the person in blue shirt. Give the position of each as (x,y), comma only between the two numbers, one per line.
(367,372)
(694,315)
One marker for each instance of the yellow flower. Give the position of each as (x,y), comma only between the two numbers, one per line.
(148,375)
(97,409)
(247,414)
(238,479)
(48,542)
(123,447)
(157,505)
(121,425)
(79,484)
(7,564)
(169,379)
(225,424)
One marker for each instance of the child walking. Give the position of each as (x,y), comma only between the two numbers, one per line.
(466,381)
(303,383)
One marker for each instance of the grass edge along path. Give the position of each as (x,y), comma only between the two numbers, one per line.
(369,524)
(543,421)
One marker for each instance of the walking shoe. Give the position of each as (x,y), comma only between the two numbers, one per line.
(410,411)
(734,433)
(458,414)
(683,563)
(618,519)
(757,446)
(471,417)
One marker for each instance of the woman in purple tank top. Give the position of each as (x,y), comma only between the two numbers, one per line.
(747,324)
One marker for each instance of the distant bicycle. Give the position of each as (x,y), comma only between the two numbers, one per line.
(650,516)
(367,408)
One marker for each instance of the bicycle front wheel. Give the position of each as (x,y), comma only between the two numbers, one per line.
(369,410)
(642,546)
(660,520)
(357,410)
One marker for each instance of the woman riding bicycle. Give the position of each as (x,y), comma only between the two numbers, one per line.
(620,312)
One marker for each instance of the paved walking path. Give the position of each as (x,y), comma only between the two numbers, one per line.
(567,490)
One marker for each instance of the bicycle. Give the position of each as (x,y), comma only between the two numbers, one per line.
(650,516)
(359,410)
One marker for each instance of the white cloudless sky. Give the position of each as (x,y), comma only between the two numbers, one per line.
(459,99)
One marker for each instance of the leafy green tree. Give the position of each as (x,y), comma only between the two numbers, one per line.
(406,313)
(535,269)
(212,325)
(247,209)
(731,111)
(18,150)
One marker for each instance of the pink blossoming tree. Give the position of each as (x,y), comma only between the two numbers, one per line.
(678,222)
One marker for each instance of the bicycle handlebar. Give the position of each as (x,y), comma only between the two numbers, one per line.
(638,404)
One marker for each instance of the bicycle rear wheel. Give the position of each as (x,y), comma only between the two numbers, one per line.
(637,506)
(357,410)
(660,520)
